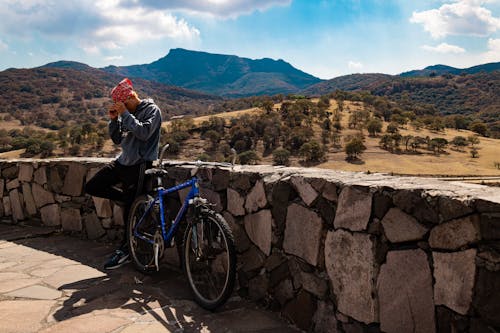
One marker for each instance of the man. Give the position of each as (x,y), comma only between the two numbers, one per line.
(135,125)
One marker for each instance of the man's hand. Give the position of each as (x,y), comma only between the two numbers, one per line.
(120,107)
(112,113)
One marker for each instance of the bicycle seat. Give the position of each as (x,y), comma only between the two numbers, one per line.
(156,172)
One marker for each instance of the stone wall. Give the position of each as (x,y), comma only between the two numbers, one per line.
(333,251)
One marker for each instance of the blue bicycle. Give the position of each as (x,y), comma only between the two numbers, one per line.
(208,253)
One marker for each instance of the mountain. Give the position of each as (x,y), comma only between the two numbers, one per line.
(443,69)
(224,75)
(350,82)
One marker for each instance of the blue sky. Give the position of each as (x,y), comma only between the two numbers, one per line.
(326,38)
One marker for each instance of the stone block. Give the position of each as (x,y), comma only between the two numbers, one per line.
(302,233)
(62,198)
(10,172)
(301,310)
(454,234)
(118,215)
(257,287)
(490,226)
(25,172)
(279,274)
(306,192)
(235,203)
(55,178)
(12,184)
(324,319)
(256,199)
(212,197)
(327,211)
(220,179)
(284,291)
(241,240)
(314,284)
(280,197)
(353,210)
(381,204)
(51,215)
(40,175)
(2,187)
(351,266)
(73,182)
(259,229)
(102,207)
(71,219)
(454,274)
(330,192)
(401,227)
(17,208)
(7,209)
(450,208)
(29,201)
(449,321)
(486,296)
(405,293)
(41,196)
(252,259)
(93,226)
(414,204)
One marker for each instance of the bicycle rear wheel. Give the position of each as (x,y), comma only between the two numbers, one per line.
(209,259)
(142,251)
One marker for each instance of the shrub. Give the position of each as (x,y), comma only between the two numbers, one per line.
(281,156)
(248,157)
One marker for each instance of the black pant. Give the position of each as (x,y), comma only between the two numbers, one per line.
(130,178)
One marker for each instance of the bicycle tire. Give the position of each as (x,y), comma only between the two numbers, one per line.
(142,252)
(214,226)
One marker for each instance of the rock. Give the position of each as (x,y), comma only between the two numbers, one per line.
(454,275)
(302,233)
(93,226)
(324,319)
(17,208)
(330,192)
(10,172)
(259,229)
(212,197)
(257,287)
(241,240)
(41,196)
(284,291)
(280,196)
(414,204)
(301,310)
(29,201)
(102,207)
(381,204)
(51,215)
(490,226)
(326,210)
(71,219)
(74,180)
(2,186)
(354,209)
(454,234)
(235,203)
(279,274)
(350,264)
(486,293)
(7,209)
(450,209)
(40,176)
(274,261)
(55,178)
(25,172)
(220,179)
(449,321)
(252,259)
(118,215)
(401,227)
(314,284)
(62,198)
(405,293)
(256,199)
(14,183)
(304,189)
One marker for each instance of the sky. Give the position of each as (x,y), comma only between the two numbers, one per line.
(325,38)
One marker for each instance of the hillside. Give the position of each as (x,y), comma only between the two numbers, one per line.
(443,69)
(224,75)
(53,97)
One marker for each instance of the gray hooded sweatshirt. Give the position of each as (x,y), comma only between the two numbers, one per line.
(137,133)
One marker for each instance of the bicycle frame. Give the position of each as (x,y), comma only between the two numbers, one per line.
(161,193)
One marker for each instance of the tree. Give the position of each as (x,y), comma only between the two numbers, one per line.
(479,127)
(438,144)
(213,137)
(374,126)
(473,140)
(248,157)
(281,156)
(392,128)
(354,148)
(312,151)
(459,141)
(474,153)
(386,142)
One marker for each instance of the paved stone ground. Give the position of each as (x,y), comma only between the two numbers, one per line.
(55,283)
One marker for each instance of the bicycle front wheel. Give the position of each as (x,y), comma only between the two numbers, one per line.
(142,248)
(209,259)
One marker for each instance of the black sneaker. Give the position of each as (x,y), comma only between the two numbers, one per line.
(118,259)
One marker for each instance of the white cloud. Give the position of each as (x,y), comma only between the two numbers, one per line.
(219,8)
(462,17)
(113,58)
(353,65)
(493,53)
(444,48)
(3,46)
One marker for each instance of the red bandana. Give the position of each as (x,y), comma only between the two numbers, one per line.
(122,91)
